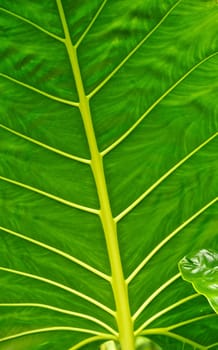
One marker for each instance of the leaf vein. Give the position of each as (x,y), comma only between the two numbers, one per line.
(91,340)
(160,99)
(61,286)
(192,320)
(131,53)
(59,252)
(43,145)
(51,196)
(155,294)
(168,238)
(63,311)
(164,311)
(163,177)
(54,36)
(162,331)
(52,329)
(43,93)
(91,23)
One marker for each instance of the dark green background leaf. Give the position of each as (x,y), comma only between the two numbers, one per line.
(149,72)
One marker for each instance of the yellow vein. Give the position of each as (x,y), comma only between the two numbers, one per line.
(59,252)
(133,51)
(91,340)
(61,286)
(164,311)
(186,340)
(43,93)
(54,36)
(123,315)
(51,329)
(164,331)
(91,23)
(162,178)
(51,196)
(168,238)
(63,311)
(192,320)
(212,346)
(43,145)
(155,294)
(160,99)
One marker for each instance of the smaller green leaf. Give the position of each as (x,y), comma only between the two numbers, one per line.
(141,343)
(201,269)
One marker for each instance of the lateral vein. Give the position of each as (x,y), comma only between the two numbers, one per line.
(167,239)
(164,311)
(91,23)
(164,331)
(43,145)
(212,346)
(43,93)
(163,177)
(51,329)
(155,294)
(133,51)
(160,99)
(59,252)
(192,320)
(63,311)
(61,286)
(91,340)
(54,36)
(51,196)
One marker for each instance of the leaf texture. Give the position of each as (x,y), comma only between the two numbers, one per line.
(201,269)
(108,171)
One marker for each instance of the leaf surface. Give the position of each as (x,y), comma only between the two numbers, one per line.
(108,161)
(201,269)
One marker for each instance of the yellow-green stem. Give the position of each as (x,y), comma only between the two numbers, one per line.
(123,315)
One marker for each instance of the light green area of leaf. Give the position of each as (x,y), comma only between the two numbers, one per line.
(141,343)
(201,269)
(108,171)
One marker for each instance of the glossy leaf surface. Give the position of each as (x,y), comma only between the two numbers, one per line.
(201,269)
(108,163)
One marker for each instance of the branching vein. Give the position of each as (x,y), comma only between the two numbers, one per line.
(155,294)
(43,145)
(91,23)
(59,252)
(63,311)
(51,196)
(43,93)
(162,178)
(192,320)
(212,346)
(61,286)
(160,99)
(52,329)
(167,239)
(91,340)
(164,311)
(32,24)
(164,331)
(133,51)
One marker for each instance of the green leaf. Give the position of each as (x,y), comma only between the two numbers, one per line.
(108,162)
(141,343)
(201,269)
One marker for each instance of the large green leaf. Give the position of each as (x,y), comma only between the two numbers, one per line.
(107,171)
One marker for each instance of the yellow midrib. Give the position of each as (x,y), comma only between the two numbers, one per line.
(119,286)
